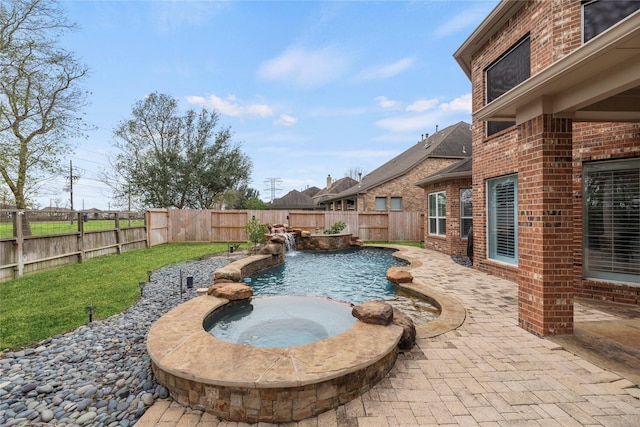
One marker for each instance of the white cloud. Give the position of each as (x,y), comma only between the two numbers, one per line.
(462,103)
(465,19)
(286,120)
(385,71)
(231,106)
(423,105)
(385,102)
(306,67)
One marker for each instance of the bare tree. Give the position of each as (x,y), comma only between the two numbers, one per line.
(40,94)
(355,173)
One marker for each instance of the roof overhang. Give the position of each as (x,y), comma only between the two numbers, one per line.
(599,81)
(443,177)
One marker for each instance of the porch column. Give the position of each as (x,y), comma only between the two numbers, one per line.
(545,230)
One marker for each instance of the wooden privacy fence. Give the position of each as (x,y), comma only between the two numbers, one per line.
(23,254)
(181,226)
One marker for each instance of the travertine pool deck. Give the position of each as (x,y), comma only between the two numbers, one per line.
(485,372)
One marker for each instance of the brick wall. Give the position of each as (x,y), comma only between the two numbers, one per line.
(554,28)
(452,243)
(404,186)
(600,142)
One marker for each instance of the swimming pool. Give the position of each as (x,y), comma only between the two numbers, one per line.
(352,275)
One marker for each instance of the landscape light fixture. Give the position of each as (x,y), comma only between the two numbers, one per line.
(141,284)
(90,309)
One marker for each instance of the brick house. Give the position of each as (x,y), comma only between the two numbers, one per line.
(556,153)
(391,187)
(449,210)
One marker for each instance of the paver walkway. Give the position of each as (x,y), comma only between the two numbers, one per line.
(488,372)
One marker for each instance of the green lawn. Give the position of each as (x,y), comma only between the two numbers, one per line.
(42,228)
(50,302)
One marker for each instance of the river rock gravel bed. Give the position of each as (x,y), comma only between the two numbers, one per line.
(100,373)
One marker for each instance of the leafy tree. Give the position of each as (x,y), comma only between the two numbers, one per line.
(40,94)
(174,160)
(244,198)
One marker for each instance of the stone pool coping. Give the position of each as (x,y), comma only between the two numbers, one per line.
(178,344)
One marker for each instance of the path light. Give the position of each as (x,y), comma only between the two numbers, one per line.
(90,309)
(189,282)
(141,284)
(149,275)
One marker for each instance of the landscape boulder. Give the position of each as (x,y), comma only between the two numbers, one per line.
(398,275)
(373,312)
(231,291)
(408,339)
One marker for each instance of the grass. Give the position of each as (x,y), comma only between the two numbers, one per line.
(54,301)
(43,228)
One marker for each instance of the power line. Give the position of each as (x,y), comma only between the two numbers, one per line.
(273,188)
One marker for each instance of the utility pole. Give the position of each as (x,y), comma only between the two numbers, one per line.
(72,178)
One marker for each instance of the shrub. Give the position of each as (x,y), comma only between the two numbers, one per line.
(257,231)
(336,228)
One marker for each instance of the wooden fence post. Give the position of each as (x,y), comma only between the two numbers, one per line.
(18,217)
(80,237)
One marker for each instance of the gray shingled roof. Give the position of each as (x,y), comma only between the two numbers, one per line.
(337,187)
(461,169)
(294,199)
(453,142)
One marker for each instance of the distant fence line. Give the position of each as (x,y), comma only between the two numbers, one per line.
(22,253)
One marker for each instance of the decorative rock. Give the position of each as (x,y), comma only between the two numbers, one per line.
(46,415)
(305,233)
(272,248)
(373,312)
(234,292)
(408,339)
(398,275)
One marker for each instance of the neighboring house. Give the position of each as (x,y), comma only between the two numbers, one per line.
(322,197)
(295,200)
(556,153)
(391,187)
(449,208)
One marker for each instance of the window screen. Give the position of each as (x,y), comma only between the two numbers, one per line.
(466,212)
(502,218)
(599,15)
(381,203)
(396,203)
(611,197)
(507,72)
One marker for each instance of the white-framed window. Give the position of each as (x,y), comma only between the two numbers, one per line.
(502,219)
(611,220)
(504,74)
(381,203)
(396,203)
(466,211)
(600,15)
(438,213)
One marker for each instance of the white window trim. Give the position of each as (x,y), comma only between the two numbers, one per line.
(437,217)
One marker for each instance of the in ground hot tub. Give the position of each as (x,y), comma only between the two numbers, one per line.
(281,321)
(248,383)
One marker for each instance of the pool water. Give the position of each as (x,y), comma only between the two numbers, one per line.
(282,321)
(353,275)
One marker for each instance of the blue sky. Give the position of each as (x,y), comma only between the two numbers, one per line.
(308,88)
